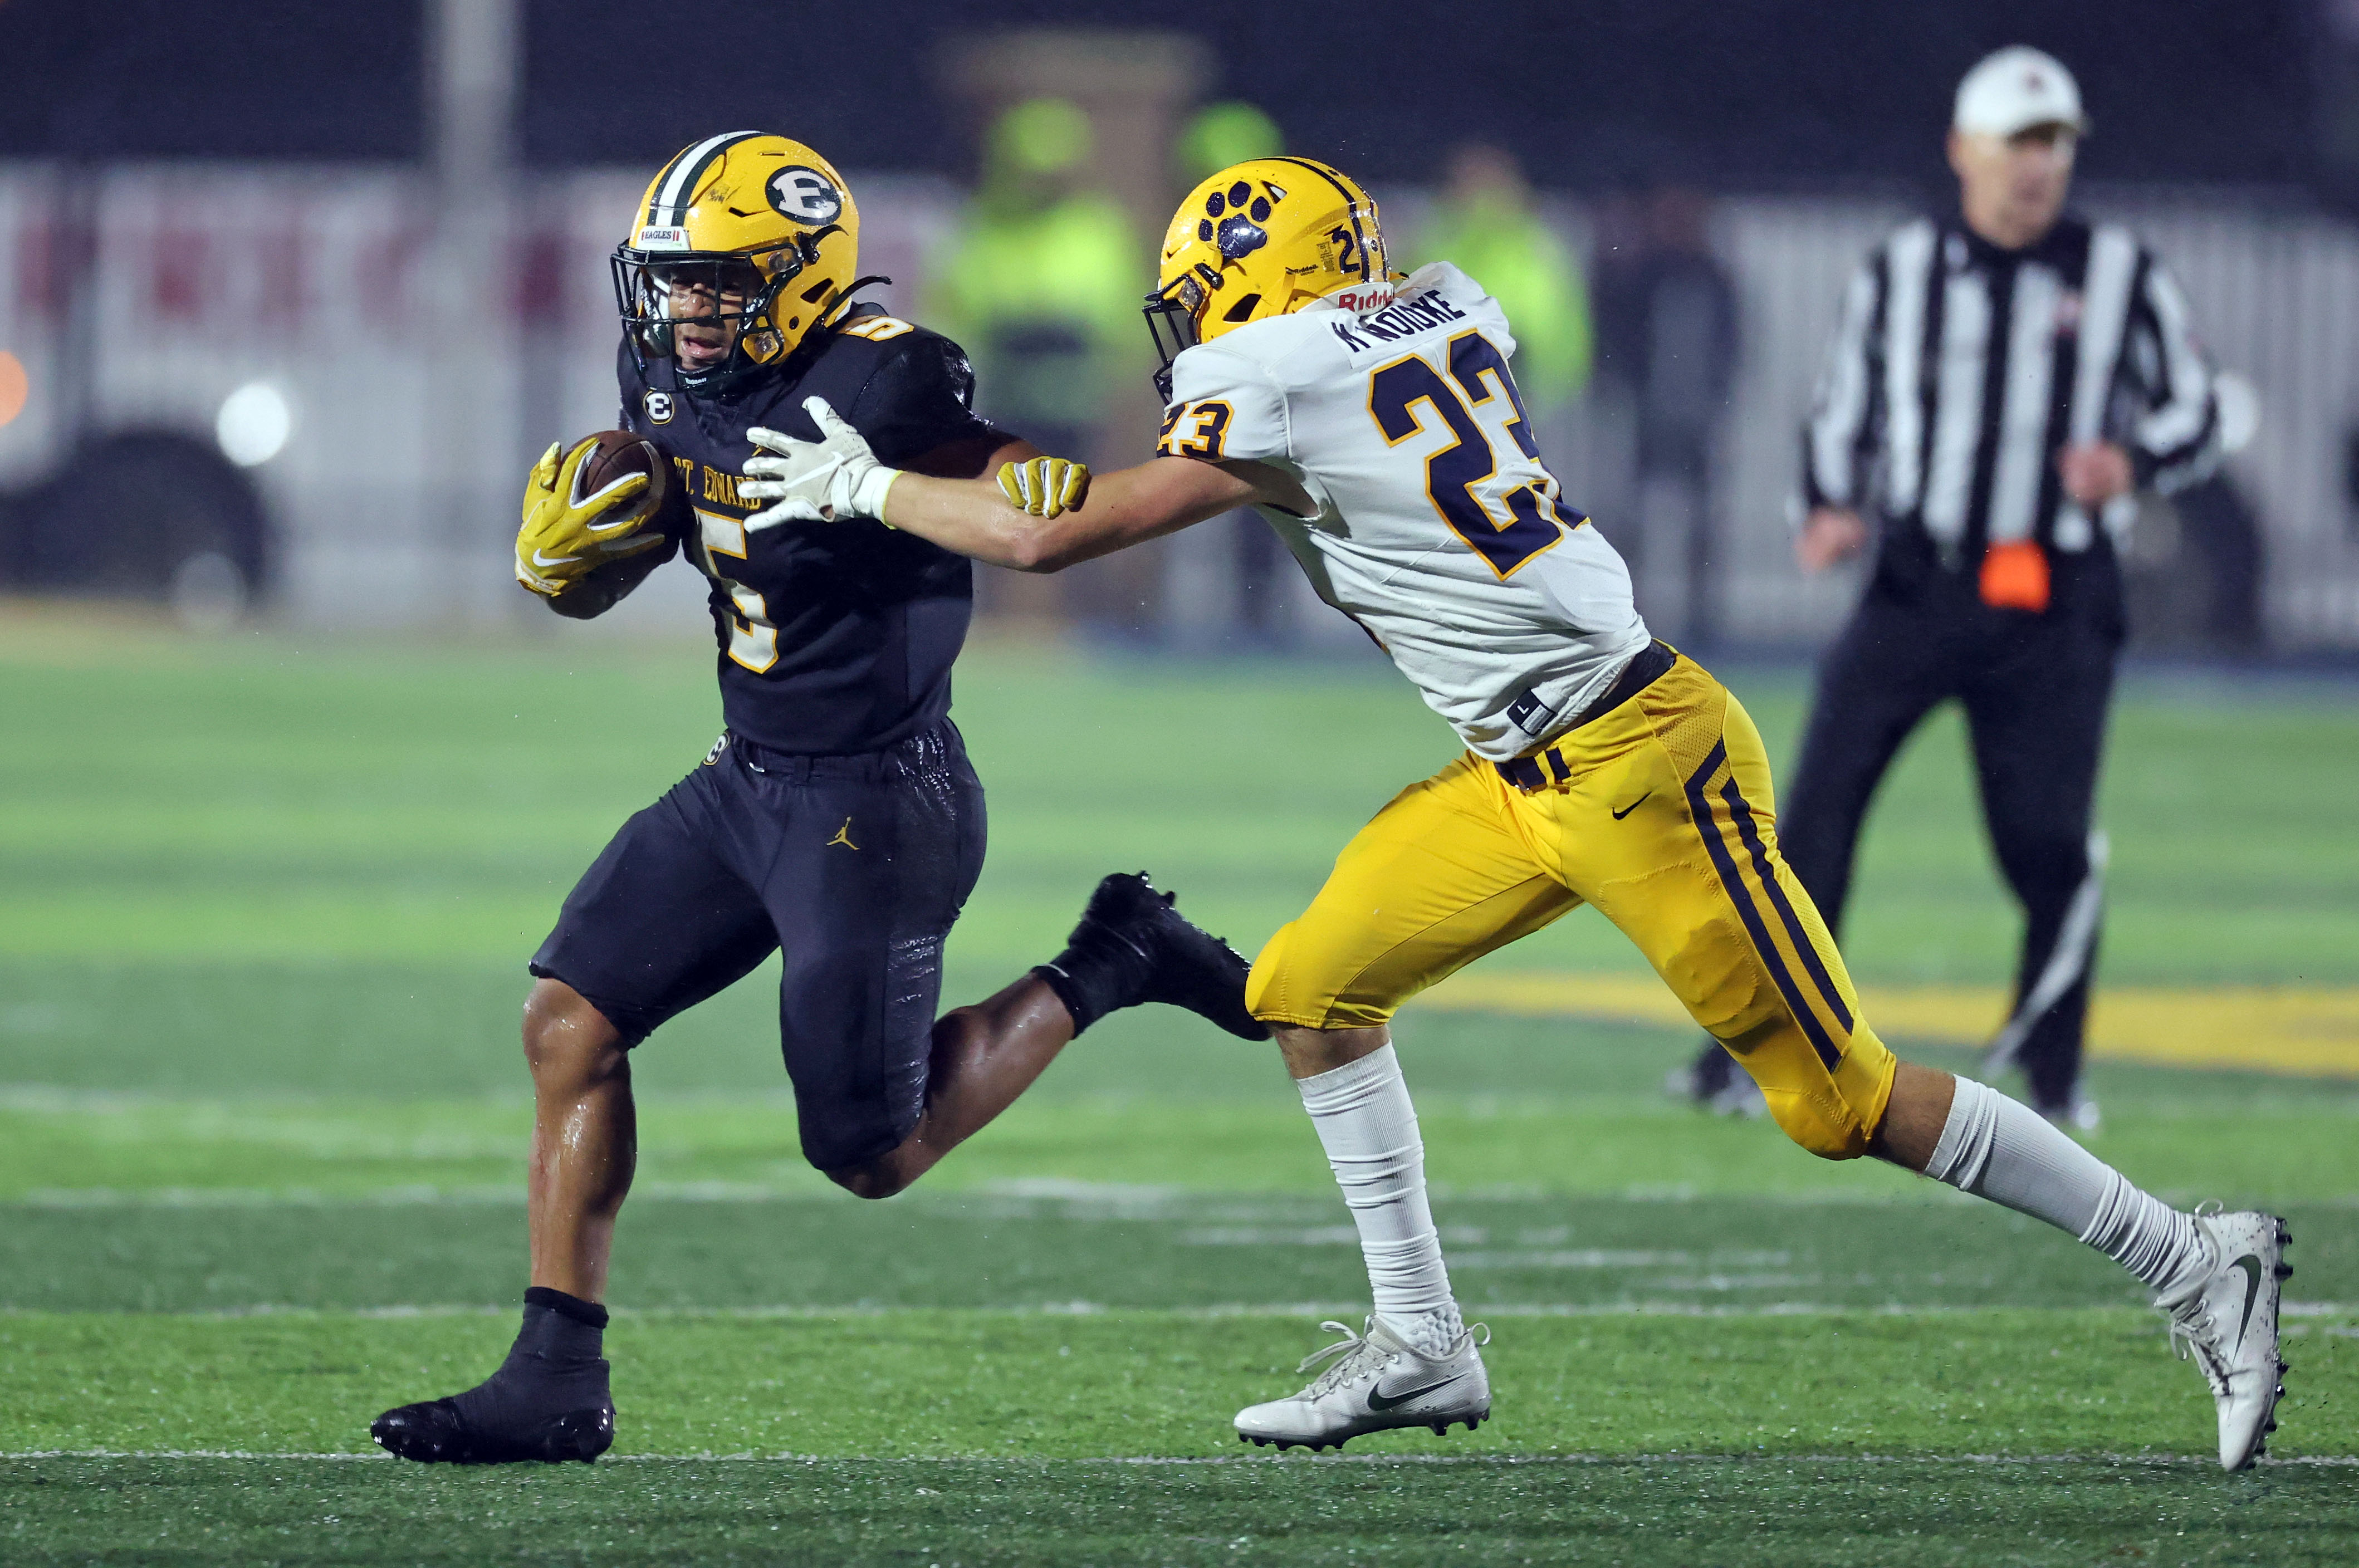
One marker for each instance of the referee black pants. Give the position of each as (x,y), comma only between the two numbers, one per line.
(2035,689)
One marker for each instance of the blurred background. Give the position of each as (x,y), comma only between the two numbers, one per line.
(290,295)
(293,776)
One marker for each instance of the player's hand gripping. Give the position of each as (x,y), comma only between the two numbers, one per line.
(823,481)
(566,534)
(1045,486)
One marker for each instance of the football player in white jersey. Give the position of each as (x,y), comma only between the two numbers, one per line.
(1373,421)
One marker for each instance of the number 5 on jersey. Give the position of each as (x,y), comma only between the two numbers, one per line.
(753,638)
(1533,523)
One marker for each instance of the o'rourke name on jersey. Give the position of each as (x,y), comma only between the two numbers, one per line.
(1402,318)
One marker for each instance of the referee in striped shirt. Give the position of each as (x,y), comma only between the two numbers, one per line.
(2002,384)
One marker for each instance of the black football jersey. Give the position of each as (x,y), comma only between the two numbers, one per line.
(835,638)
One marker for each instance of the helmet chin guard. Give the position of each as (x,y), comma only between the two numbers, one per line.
(1171,324)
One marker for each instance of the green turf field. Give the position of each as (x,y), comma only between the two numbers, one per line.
(263,905)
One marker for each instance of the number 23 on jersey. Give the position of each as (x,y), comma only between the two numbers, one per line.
(1476,393)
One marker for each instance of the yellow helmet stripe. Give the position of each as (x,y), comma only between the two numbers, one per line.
(1351,206)
(677,184)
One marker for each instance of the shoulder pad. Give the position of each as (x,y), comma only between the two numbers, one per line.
(870,322)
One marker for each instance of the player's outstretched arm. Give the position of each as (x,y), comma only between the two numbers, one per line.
(974,517)
(839,477)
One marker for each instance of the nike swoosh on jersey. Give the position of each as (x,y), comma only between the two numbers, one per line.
(1632,806)
(1380,1400)
(2252,1268)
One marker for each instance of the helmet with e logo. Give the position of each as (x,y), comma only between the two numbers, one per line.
(754,233)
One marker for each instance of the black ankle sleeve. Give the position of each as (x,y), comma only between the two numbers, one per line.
(1074,991)
(589,1314)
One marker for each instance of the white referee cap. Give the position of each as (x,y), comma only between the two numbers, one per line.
(2015,90)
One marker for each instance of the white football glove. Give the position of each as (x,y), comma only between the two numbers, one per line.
(815,482)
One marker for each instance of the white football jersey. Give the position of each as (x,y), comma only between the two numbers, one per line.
(1438,529)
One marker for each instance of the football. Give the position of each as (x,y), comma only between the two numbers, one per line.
(620,452)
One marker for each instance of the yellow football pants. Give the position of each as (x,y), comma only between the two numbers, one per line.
(1661,816)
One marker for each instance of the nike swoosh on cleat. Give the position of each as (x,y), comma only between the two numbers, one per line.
(1379,1400)
(1632,806)
(2251,1265)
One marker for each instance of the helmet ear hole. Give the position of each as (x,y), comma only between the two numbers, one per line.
(1242,308)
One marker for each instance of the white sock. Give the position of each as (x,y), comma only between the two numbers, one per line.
(2001,1149)
(1368,1127)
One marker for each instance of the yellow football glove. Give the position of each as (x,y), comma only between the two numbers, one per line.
(567,535)
(1045,486)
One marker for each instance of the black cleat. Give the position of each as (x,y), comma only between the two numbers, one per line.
(549,1402)
(437,1433)
(1131,945)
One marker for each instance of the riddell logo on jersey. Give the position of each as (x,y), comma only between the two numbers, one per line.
(1362,299)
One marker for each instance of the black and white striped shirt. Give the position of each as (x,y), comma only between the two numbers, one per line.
(1960,370)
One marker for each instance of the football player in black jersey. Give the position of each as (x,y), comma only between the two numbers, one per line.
(836,820)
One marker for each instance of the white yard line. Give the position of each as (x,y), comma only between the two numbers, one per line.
(1436,1461)
(1015,1200)
(2322,1310)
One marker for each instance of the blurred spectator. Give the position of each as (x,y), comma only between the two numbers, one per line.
(1486,224)
(1667,343)
(1219,135)
(1667,325)
(1041,282)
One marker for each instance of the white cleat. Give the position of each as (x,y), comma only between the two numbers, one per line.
(1376,1383)
(2227,1321)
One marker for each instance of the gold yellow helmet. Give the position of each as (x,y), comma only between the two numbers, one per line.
(1260,239)
(760,226)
